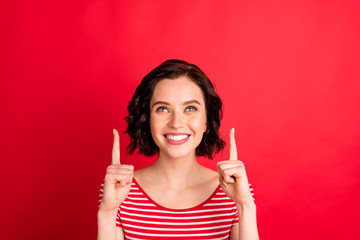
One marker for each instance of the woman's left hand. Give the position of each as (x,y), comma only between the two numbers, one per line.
(233,178)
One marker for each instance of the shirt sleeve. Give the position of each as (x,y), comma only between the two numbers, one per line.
(118,220)
(235,218)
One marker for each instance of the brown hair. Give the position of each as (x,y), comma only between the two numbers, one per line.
(139,109)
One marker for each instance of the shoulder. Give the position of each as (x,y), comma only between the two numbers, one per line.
(142,175)
(208,174)
(139,172)
(207,178)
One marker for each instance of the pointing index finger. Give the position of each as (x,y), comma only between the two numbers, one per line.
(233,150)
(116,149)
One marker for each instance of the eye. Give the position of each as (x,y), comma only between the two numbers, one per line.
(190,109)
(162,109)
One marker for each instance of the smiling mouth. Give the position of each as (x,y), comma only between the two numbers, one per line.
(176,139)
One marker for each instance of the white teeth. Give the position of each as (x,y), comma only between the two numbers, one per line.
(176,137)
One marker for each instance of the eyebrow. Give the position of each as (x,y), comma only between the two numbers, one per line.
(185,103)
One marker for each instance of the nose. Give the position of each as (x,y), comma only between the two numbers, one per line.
(176,120)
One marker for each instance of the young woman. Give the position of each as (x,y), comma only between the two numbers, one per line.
(175,113)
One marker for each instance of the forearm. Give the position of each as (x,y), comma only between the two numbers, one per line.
(247,222)
(106,225)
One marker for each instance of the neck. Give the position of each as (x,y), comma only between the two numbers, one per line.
(176,172)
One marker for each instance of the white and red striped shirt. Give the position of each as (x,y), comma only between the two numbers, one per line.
(141,218)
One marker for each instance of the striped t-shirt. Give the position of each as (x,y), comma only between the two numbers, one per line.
(142,218)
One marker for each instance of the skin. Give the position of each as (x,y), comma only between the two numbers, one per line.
(177,106)
(181,109)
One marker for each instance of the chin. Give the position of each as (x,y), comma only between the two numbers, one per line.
(178,154)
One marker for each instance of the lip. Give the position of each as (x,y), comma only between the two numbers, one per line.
(173,142)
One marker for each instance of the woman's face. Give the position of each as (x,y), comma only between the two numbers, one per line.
(177,117)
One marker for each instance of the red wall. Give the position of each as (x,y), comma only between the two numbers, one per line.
(287,72)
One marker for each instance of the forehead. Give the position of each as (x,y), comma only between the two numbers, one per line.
(177,90)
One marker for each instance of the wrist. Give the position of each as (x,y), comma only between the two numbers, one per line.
(106,214)
(246,206)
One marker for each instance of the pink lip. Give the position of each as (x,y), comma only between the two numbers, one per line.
(177,142)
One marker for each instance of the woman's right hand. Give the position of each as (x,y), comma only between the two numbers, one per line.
(118,179)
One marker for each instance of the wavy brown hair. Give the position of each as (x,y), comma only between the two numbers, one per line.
(139,109)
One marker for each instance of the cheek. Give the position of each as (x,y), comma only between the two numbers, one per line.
(204,122)
(152,122)
(156,124)
(154,130)
(152,125)
(200,123)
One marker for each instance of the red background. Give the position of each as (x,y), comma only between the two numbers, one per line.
(287,72)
